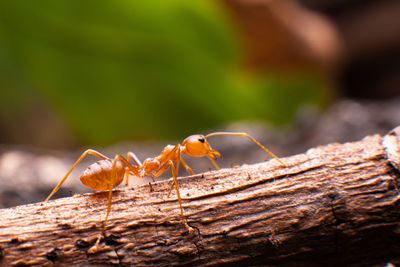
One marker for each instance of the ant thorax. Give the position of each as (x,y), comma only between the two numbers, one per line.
(168,149)
(150,167)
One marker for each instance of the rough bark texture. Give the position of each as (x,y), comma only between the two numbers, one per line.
(334,205)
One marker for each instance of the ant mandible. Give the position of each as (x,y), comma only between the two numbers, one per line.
(107,173)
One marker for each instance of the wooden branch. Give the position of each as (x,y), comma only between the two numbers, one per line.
(334,205)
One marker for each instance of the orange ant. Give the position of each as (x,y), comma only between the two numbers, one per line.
(107,173)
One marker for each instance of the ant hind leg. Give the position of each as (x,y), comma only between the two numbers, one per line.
(87,152)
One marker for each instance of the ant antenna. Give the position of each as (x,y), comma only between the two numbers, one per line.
(252,139)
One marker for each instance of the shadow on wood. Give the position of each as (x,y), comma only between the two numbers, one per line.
(334,205)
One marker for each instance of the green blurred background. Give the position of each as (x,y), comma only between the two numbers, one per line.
(95,73)
(111,74)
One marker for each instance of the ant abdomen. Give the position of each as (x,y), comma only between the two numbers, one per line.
(98,175)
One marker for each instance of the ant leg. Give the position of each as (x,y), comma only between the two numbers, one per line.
(126,178)
(108,212)
(174,171)
(113,183)
(170,189)
(252,139)
(214,163)
(164,165)
(184,163)
(108,207)
(89,151)
(186,166)
(129,156)
(132,156)
(169,163)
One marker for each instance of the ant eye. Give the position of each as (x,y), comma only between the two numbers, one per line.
(201,139)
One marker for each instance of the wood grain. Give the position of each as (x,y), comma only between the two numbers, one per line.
(334,205)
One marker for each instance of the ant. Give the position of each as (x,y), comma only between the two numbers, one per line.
(107,173)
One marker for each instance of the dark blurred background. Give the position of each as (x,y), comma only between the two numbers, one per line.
(136,75)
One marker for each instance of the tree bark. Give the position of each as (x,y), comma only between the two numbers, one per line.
(333,205)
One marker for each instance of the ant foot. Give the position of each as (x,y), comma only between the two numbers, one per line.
(95,248)
(190,229)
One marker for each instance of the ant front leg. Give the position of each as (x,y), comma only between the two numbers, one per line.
(214,163)
(89,151)
(187,168)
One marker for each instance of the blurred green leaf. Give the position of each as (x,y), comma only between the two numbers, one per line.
(136,69)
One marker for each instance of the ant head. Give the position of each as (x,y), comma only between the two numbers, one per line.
(198,146)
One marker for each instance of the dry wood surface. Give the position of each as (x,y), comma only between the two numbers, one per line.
(333,205)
